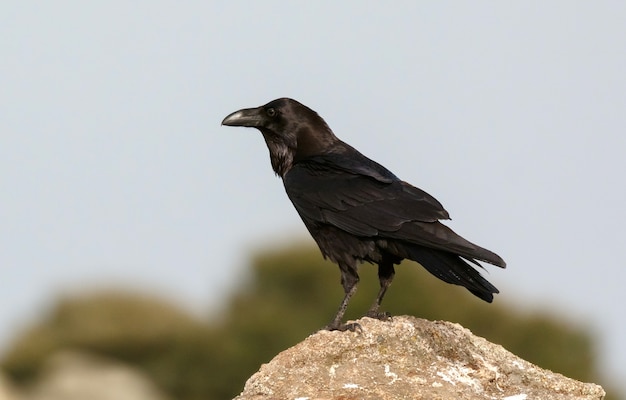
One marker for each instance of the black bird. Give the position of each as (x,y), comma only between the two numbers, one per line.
(357,210)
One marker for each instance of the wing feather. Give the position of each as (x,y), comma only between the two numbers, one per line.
(369,201)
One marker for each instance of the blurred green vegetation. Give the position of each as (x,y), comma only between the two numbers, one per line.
(290,294)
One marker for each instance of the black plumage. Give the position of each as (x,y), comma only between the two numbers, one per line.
(357,210)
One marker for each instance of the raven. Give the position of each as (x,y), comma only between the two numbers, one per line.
(357,210)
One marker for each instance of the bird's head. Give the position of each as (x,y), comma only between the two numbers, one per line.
(291,130)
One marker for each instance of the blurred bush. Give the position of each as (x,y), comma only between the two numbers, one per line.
(290,294)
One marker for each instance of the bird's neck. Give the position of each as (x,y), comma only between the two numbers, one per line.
(281,156)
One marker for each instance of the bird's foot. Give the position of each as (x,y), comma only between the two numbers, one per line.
(380,315)
(352,327)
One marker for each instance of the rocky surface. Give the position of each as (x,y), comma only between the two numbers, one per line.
(407,358)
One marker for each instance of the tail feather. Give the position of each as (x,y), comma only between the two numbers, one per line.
(436,235)
(452,268)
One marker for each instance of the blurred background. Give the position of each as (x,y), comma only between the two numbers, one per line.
(136,234)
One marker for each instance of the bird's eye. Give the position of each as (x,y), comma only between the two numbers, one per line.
(271,112)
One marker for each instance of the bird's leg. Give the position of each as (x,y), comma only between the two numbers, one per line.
(349,281)
(386,273)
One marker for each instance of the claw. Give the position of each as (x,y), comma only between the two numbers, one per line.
(380,315)
(352,327)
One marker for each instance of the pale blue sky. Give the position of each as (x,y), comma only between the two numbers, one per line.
(115,171)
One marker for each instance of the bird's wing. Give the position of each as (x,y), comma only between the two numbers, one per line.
(358,196)
(366,200)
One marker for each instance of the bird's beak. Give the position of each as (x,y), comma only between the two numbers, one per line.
(251,117)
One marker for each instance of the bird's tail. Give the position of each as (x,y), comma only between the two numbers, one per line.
(436,235)
(450,268)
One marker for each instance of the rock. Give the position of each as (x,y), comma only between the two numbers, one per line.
(71,375)
(407,358)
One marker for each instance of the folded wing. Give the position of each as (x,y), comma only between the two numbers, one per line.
(365,200)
